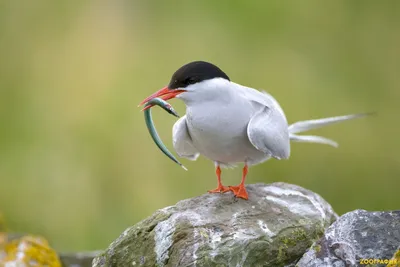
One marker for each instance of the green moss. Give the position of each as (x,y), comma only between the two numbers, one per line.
(204,261)
(299,234)
(317,248)
(203,233)
(319,231)
(282,253)
(290,240)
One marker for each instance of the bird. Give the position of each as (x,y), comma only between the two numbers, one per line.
(231,124)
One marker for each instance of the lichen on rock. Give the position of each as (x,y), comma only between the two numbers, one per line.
(274,227)
(29,251)
(34,251)
(395,260)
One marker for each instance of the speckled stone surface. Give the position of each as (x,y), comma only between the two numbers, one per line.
(274,227)
(356,235)
(78,259)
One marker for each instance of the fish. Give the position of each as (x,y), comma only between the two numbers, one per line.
(152,129)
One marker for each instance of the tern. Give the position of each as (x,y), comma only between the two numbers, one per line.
(229,123)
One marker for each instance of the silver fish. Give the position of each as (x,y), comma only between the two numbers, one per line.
(152,129)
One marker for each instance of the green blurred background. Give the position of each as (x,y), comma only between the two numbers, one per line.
(76,162)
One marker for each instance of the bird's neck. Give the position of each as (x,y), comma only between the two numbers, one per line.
(216,91)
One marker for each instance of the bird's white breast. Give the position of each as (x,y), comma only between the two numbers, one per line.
(218,127)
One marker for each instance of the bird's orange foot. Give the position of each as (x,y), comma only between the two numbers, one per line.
(220,189)
(239,191)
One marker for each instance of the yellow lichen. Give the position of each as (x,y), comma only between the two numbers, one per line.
(30,251)
(395,261)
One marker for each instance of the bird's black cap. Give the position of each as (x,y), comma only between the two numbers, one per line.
(195,72)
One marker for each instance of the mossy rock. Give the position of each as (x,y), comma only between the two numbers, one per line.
(274,227)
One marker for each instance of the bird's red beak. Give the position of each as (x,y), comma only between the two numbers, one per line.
(164,93)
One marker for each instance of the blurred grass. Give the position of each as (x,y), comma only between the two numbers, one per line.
(76,162)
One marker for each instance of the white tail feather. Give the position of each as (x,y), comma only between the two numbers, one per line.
(312,139)
(302,126)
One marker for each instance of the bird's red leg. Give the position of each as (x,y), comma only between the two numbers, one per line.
(220,188)
(240,190)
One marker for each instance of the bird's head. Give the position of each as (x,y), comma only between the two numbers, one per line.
(190,82)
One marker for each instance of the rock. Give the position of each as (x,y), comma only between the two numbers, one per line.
(274,227)
(24,250)
(354,236)
(80,259)
(28,251)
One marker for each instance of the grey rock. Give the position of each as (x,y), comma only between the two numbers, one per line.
(356,235)
(274,227)
(79,259)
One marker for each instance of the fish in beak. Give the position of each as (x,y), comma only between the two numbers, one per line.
(164,93)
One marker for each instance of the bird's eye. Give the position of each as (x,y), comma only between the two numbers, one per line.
(191,80)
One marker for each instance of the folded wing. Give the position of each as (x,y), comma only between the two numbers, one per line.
(182,141)
(268,132)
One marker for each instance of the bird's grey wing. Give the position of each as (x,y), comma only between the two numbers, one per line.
(268,128)
(261,97)
(268,132)
(182,141)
